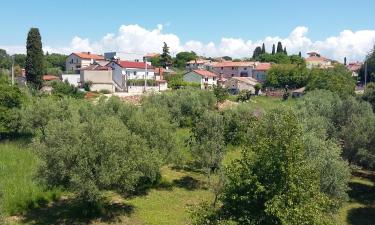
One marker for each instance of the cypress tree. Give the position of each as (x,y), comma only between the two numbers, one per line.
(279,48)
(273,49)
(257,52)
(345,61)
(263,49)
(165,58)
(300,54)
(34,58)
(285,52)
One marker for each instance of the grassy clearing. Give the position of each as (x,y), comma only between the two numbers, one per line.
(19,190)
(360,210)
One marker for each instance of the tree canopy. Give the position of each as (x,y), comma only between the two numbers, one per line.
(34,58)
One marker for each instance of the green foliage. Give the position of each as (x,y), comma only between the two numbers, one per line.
(56,61)
(34,59)
(19,191)
(257,88)
(273,183)
(141,82)
(165,57)
(369,95)
(349,122)
(5,60)
(155,61)
(87,152)
(273,49)
(183,57)
(62,89)
(87,85)
(185,105)
(244,95)
(279,48)
(53,71)
(370,60)
(278,58)
(257,52)
(11,99)
(220,93)
(337,79)
(20,59)
(207,141)
(288,74)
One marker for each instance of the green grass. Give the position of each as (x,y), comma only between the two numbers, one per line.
(267,103)
(18,188)
(360,210)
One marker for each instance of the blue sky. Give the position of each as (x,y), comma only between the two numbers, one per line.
(204,21)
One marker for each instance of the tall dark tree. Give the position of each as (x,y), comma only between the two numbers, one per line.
(345,61)
(273,49)
(285,52)
(263,48)
(34,58)
(279,48)
(165,58)
(257,52)
(300,54)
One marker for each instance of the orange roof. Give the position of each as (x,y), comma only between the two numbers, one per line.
(205,73)
(50,77)
(315,59)
(96,67)
(152,55)
(234,64)
(263,66)
(88,55)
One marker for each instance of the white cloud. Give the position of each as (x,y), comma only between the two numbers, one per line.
(136,39)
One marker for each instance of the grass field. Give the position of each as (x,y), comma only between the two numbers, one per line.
(18,188)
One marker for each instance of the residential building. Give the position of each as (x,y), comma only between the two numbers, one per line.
(123,71)
(260,70)
(315,60)
(237,84)
(354,67)
(150,56)
(100,77)
(198,64)
(233,69)
(78,60)
(205,78)
(72,79)
(50,78)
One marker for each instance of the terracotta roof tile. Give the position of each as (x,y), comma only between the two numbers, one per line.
(130,64)
(88,55)
(205,73)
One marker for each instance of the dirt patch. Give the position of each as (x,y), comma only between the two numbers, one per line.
(226,105)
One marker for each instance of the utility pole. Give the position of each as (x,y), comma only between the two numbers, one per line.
(365,75)
(12,70)
(145,73)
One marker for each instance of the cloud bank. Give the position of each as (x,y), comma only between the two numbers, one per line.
(354,45)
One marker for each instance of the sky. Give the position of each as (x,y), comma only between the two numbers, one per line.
(335,28)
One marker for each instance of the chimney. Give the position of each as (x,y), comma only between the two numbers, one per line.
(88,53)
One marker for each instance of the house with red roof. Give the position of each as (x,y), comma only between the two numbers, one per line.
(354,67)
(100,77)
(205,78)
(260,70)
(127,75)
(78,60)
(315,60)
(228,69)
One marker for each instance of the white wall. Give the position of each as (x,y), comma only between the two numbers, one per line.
(73,79)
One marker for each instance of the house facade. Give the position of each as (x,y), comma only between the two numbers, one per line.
(79,60)
(233,69)
(205,78)
(123,71)
(100,77)
(260,71)
(315,60)
(355,68)
(237,84)
(198,64)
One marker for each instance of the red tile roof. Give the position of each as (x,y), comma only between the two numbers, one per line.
(316,58)
(88,55)
(130,64)
(263,66)
(50,77)
(234,64)
(205,73)
(354,67)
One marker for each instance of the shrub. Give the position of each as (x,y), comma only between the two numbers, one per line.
(61,89)
(141,82)
(104,91)
(244,96)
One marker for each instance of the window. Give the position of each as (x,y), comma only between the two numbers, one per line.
(232,75)
(71,61)
(214,78)
(232,68)
(245,68)
(222,68)
(206,79)
(135,73)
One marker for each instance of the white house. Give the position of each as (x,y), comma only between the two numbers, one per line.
(230,69)
(315,60)
(197,64)
(205,78)
(73,79)
(124,71)
(78,60)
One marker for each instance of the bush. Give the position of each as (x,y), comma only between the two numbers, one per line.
(104,91)
(87,85)
(141,82)
(61,89)
(244,96)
